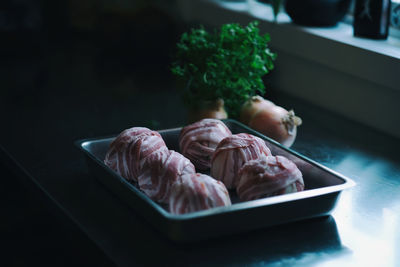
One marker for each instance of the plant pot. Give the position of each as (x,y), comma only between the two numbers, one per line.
(320,13)
(207,109)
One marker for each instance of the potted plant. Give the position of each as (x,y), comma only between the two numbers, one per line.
(223,67)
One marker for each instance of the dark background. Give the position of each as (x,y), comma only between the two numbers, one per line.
(54,53)
(125,41)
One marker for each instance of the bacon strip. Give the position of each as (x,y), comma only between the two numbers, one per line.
(269,176)
(194,192)
(198,141)
(128,150)
(234,151)
(160,170)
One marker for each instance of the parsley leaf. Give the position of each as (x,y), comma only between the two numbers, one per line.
(227,64)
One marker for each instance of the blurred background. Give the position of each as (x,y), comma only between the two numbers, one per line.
(85,67)
(112,40)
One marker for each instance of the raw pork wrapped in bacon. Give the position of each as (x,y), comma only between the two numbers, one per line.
(194,192)
(269,176)
(234,151)
(198,141)
(160,170)
(127,152)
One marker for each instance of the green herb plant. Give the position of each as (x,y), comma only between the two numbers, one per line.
(227,64)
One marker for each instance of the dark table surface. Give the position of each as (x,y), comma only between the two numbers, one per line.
(60,92)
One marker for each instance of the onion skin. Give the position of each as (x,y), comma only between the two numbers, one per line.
(271,120)
(252,106)
(209,110)
(276,123)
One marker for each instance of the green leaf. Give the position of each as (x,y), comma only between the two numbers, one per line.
(227,64)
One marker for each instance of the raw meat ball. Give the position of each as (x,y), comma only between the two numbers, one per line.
(194,192)
(269,176)
(127,152)
(160,170)
(234,151)
(198,141)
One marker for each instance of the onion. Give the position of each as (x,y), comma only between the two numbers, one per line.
(209,109)
(272,120)
(251,106)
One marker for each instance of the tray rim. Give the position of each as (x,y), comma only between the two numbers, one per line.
(274,200)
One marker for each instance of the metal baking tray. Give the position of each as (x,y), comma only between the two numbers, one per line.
(322,189)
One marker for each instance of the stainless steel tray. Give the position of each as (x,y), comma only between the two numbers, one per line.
(322,189)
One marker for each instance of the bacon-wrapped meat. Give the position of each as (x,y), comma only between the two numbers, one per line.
(160,170)
(232,152)
(269,176)
(128,150)
(194,192)
(198,141)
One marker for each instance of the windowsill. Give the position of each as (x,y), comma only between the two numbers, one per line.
(352,76)
(342,33)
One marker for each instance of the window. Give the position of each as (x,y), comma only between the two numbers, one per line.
(320,64)
(394,21)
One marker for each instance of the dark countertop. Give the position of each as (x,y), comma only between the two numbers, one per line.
(65,91)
